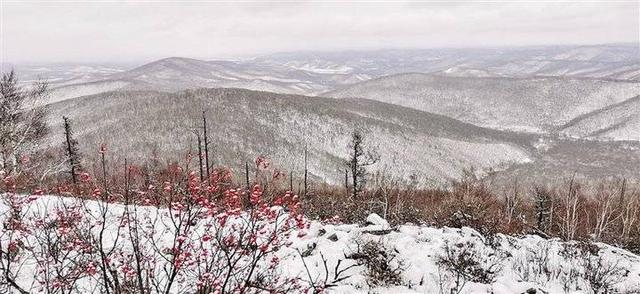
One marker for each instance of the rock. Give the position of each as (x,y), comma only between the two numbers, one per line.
(376,220)
(333,237)
(321,232)
(378,232)
(535,291)
(309,250)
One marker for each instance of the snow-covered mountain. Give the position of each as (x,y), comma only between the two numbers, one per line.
(312,73)
(524,104)
(175,74)
(244,124)
(615,61)
(620,121)
(61,74)
(434,122)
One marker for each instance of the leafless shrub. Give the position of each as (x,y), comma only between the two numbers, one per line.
(326,281)
(383,268)
(534,266)
(588,266)
(601,274)
(471,204)
(463,263)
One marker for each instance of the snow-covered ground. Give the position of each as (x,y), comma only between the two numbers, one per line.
(527,262)
(421,255)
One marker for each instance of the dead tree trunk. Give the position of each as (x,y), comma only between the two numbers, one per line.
(206,144)
(346,180)
(246,173)
(200,156)
(71,149)
(290,181)
(305,171)
(103,150)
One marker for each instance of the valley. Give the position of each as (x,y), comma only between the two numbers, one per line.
(427,118)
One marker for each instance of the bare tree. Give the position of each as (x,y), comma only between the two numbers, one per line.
(607,213)
(200,159)
(386,188)
(359,159)
(206,144)
(306,171)
(71,149)
(512,202)
(22,120)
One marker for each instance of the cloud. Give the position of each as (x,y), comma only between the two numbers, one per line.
(103,31)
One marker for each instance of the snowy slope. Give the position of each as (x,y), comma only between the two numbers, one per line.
(72,91)
(419,248)
(244,124)
(619,121)
(519,263)
(532,104)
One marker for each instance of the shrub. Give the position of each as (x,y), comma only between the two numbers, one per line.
(201,237)
(383,268)
(534,265)
(463,263)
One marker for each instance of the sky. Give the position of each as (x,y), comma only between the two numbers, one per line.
(133,31)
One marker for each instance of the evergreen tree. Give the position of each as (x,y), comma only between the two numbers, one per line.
(544,209)
(359,159)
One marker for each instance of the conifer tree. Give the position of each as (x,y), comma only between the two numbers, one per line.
(359,159)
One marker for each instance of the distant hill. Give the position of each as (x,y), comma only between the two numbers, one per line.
(608,61)
(176,74)
(524,104)
(244,124)
(312,73)
(61,74)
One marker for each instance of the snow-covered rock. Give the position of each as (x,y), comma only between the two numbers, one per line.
(376,220)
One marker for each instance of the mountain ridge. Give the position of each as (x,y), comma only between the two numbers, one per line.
(313,73)
(538,104)
(620,121)
(245,124)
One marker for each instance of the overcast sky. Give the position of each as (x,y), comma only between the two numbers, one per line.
(114,31)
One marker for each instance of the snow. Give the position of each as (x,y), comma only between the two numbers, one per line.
(417,247)
(320,67)
(376,220)
(77,90)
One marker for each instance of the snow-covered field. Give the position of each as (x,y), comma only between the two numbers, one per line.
(426,259)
